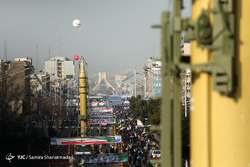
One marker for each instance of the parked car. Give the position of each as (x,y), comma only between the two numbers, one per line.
(156,153)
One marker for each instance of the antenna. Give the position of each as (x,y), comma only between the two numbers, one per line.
(153,51)
(56,41)
(60,46)
(49,52)
(5,50)
(37,57)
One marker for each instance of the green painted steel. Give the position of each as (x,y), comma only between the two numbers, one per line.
(166,109)
(219,38)
(177,139)
(40,82)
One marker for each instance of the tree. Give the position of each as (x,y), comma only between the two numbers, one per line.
(151,108)
(21,106)
(154,111)
(140,107)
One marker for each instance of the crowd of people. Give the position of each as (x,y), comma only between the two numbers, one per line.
(137,141)
(101,158)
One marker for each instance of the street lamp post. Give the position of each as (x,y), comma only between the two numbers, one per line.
(60,82)
(16,73)
(135,83)
(50,82)
(15,81)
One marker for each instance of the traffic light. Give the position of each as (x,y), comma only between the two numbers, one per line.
(183,106)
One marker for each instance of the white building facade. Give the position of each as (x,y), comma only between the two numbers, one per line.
(61,67)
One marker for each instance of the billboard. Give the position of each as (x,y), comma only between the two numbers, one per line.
(101,121)
(87,140)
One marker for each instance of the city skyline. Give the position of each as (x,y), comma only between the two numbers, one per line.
(113,35)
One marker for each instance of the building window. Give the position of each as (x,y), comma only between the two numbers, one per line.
(69,76)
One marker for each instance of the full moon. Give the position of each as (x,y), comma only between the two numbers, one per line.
(76,23)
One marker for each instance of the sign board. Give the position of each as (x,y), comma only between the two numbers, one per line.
(157,64)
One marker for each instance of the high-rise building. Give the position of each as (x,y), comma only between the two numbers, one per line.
(61,67)
(15,86)
(153,77)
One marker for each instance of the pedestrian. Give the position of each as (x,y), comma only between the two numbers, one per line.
(138,162)
(143,161)
(129,158)
(134,157)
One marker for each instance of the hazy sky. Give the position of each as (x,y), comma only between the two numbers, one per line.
(114,35)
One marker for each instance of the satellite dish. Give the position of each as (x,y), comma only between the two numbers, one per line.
(76,23)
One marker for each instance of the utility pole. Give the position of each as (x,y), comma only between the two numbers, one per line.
(135,82)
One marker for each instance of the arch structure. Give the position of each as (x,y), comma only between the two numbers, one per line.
(102,76)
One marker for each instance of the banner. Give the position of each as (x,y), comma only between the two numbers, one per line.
(87,140)
(100,109)
(101,121)
(100,114)
(88,158)
(139,123)
(94,103)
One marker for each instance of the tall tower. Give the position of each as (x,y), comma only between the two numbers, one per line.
(102,76)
